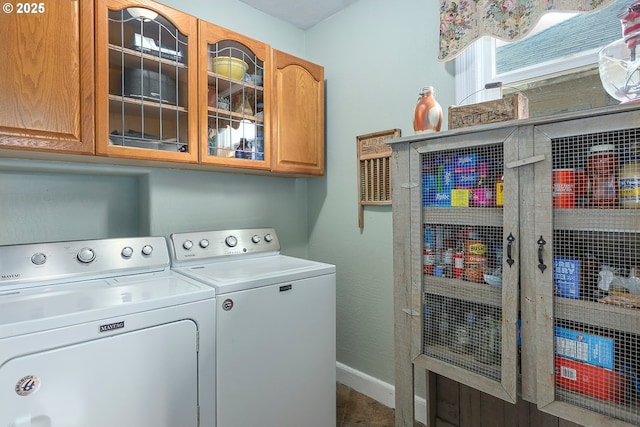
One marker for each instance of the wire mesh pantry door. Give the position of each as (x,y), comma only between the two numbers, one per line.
(468,237)
(589,235)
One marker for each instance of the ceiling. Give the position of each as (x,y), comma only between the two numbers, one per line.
(303,14)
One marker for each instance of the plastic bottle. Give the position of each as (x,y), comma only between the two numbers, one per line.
(427,116)
(428,256)
(499,191)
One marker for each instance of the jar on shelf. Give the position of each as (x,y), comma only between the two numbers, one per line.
(602,176)
(475,261)
(463,330)
(629,183)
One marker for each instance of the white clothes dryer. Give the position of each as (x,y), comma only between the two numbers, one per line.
(275,327)
(102,333)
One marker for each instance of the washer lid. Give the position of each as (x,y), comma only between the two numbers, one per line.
(47,307)
(251,272)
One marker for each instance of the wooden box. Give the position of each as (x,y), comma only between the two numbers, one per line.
(499,110)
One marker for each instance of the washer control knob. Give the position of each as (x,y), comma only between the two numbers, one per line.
(268,238)
(38,258)
(127,252)
(86,255)
(231,241)
(188,244)
(255,238)
(204,243)
(147,249)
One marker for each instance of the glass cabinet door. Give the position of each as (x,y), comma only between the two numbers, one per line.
(469,237)
(146,92)
(589,324)
(234,84)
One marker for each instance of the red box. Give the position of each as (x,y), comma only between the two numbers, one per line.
(595,381)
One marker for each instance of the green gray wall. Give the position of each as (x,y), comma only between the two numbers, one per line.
(377,55)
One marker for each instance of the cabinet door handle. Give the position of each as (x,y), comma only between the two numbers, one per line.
(510,241)
(541,242)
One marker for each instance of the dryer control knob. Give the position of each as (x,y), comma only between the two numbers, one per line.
(147,249)
(231,241)
(127,251)
(268,238)
(204,243)
(86,255)
(188,244)
(38,258)
(255,238)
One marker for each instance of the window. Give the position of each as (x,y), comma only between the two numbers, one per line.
(556,66)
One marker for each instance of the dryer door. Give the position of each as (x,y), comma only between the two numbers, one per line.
(143,378)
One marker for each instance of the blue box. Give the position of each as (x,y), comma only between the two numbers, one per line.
(442,199)
(566,277)
(466,180)
(444,182)
(592,349)
(465,170)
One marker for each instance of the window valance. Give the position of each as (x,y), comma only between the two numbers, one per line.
(464,21)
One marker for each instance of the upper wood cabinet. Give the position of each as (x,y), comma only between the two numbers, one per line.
(136,79)
(146,81)
(235,105)
(298,116)
(46,89)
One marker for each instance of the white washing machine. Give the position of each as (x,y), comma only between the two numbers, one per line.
(102,333)
(275,327)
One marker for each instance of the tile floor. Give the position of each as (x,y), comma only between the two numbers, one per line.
(354,409)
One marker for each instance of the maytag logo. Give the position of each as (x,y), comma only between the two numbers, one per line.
(10,276)
(111,326)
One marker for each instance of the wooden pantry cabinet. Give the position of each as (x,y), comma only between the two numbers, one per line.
(520,278)
(46,89)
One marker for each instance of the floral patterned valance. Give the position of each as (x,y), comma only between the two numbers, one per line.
(464,21)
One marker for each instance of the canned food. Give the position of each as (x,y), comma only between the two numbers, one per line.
(475,268)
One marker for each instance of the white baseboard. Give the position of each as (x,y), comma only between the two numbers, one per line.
(376,389)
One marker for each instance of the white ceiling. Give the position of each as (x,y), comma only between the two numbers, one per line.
(303,14)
